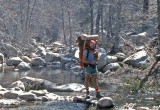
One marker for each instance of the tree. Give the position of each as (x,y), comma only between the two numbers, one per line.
(158,3)
(91,16)
(118,26)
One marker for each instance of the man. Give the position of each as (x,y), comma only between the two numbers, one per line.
(90,68)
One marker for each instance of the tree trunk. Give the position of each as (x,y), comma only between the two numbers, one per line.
(118,26)
(111,13)
(91,12)
(63,25)
(70,28)
(158,3)
(145,6)
(99,13)
(102,21)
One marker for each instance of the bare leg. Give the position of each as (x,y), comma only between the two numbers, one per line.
(87,76)
(94,81)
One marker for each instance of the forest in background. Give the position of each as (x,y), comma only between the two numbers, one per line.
(63,20)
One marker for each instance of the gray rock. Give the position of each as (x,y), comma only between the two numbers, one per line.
(23,66)
(10,95)
(68,87)
(101,50)
(8,50)
(10,103)
(27,96)
(105,102)
(37,62)
(140,38)
(18,84)
(39,92)
(102,60)
(120,56)
(142,108)
(26,59)
(51,57)
(14,61)
(111,66)
(41,53)
(138,59)
(111,59)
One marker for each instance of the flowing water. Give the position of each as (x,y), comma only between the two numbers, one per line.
(119,95)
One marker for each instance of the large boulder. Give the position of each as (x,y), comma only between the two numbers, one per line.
(111,66)
(23,66)
(14,61)
(18,84)
(37,62)
(101,50)
(110,59)
(27,96)
(102,60)
(138,59)
(8,50)
(105,102)
(51,57)
(140,38)
(11,95)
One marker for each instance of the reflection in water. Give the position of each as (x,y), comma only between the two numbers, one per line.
(48,73)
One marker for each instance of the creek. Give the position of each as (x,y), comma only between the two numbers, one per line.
(119,95)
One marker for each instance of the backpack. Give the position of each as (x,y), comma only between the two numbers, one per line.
(83,43)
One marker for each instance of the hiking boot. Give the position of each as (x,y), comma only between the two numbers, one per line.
(98,95)
(87,95)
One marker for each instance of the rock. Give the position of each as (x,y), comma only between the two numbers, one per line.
(120,56)
(140,38)
(14,61)
(101,50)
(41,53)
(44,98)
(111,66)
(69,88)
(1,58)
(65,60)
(159,107)
(102,60)
(138,59)
(8,50)
(110,59)
(10,95)
(76,55)
(26,59)
(142,108)
(51,57)
(18,84)
(37,62)
(53,64)
(23,66)
(27,96)
(35,83)
(39,92)
(9,103)
(105,102)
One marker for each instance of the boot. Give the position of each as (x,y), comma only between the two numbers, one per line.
(87,95)
(98,95)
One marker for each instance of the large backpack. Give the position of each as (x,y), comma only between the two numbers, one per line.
(83,43)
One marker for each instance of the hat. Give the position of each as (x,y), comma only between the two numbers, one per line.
(92,41)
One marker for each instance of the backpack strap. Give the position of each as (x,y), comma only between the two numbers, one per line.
(87,52)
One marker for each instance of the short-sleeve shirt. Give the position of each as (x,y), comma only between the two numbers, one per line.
(90,56)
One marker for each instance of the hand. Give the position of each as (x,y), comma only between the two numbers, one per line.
(93,62)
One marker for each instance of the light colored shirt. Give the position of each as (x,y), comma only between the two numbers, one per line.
(90,56)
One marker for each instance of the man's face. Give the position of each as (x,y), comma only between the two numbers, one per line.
(92,45)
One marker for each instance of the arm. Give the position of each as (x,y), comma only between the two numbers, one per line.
(85,61)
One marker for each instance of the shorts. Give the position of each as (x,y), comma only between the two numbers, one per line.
(90,70)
